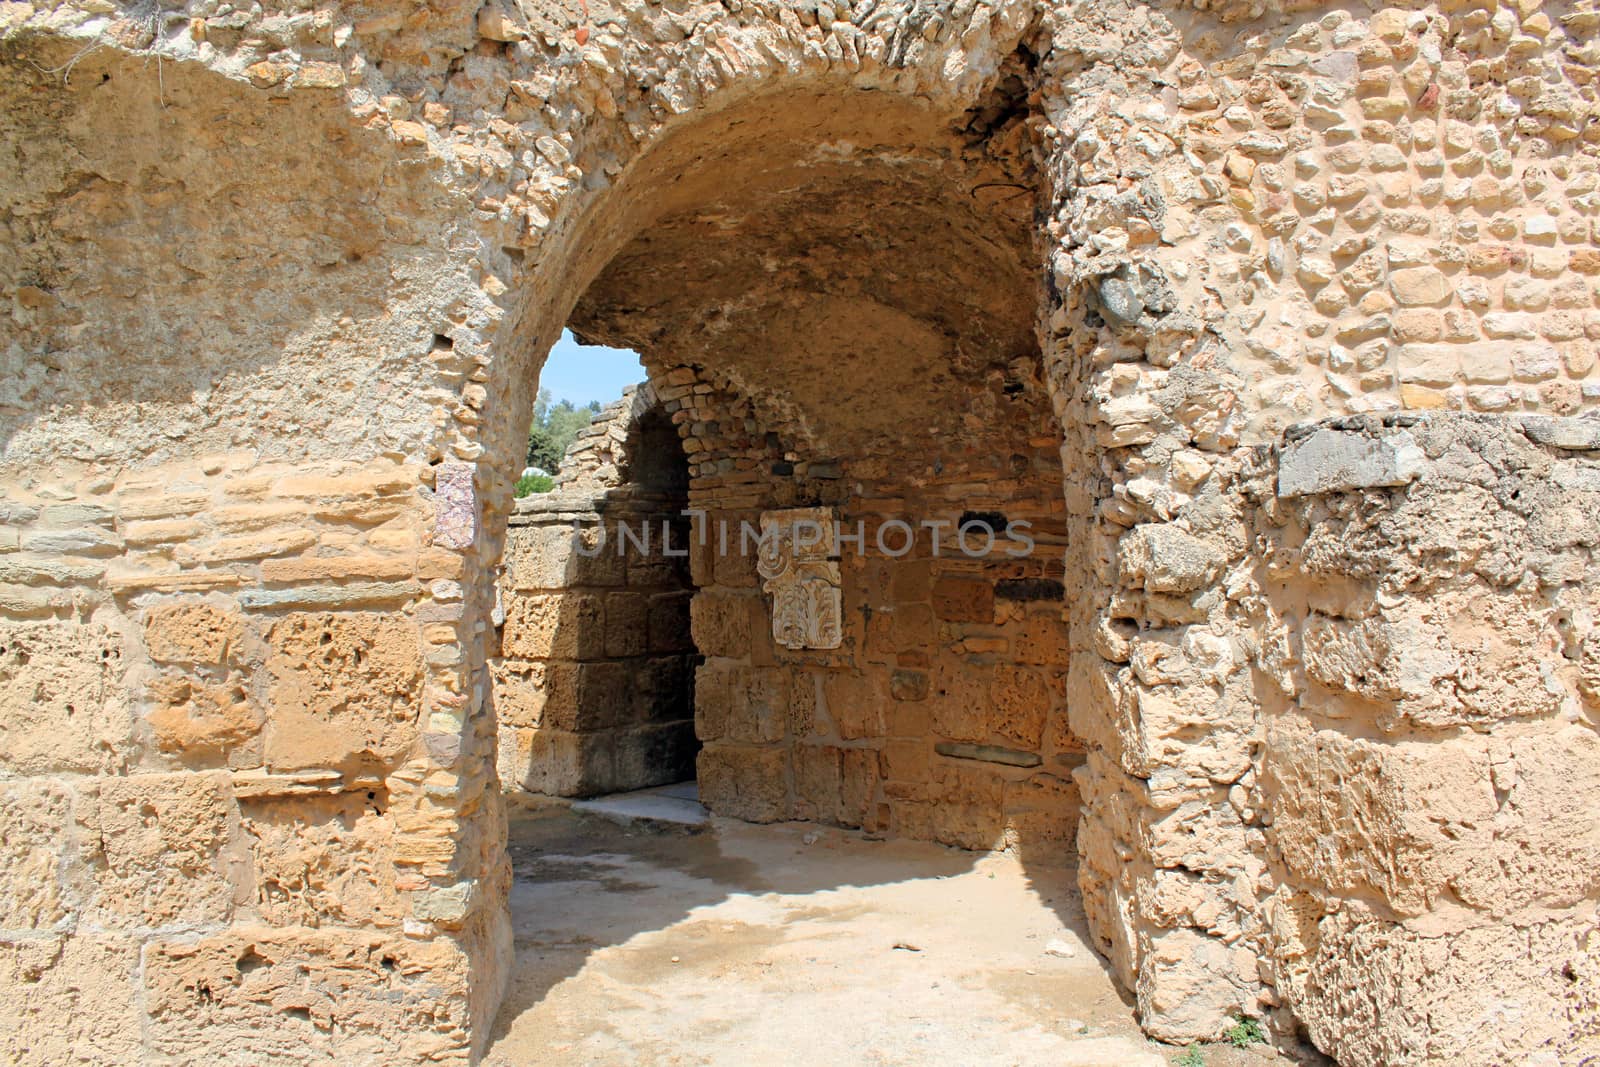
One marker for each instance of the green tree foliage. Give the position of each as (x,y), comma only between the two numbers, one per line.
(533,483)
(554,427)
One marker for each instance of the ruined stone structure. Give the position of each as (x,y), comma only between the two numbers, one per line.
(1277,323)
(594,685)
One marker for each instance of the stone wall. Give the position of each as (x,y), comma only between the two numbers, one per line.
(594,682)
(1349,761)
(941,713)
(278,287)
(1429,745)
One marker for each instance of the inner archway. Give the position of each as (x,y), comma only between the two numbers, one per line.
(836,305)
(594,684)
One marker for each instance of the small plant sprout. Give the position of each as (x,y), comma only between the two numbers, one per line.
(1244,1032)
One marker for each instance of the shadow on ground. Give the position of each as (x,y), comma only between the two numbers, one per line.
(799,944)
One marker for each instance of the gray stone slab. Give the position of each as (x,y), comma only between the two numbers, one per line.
(1339,461)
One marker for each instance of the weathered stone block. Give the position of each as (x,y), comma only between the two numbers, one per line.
(301,996)
(62,702)
(1020,700)
(1425,824)
(721,624)
(1041,815)
(343,689)
(557,762)
(963,600)
(1191,985)
(521,691)
(554,626)
(958,701)
(1165,559)
(70,1000)
(967,807)
(1371,990)
(855,704)
(740,704)
(41,882)
(1042,640)
(204,724)
(1337,461)
(627,632)
(745,781)
(663,688)
(816,783)
(171,850)
(192,632)
(323,860)
(669,623)
(1467,657)
(554,557)
(654,754)
(604,698)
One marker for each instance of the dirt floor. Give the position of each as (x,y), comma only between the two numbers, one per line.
(742,945)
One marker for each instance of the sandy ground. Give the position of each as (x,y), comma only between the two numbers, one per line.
(796,944)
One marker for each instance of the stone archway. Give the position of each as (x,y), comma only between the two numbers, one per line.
(280,285)
(594,670)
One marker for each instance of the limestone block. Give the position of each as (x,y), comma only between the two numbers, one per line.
(653,754)
(740,704)
(1019,699)
(1041,817)
(304,996)
(1191,986)
(203,724)
(908,685)
(546,760)
(963,600)
(745,781)
(663,688)
(521,690)
(70,1000)
(912,627)
(41,881)
(1425,824)
(554,626)
(958,701)
(1041,640)
(721,624)
(1466,656)
(554,557)
(604,698)
(967,801)
(347,597)
(854,702)
(1196,729)
(668,622)
(1416,286)
(805,700)
(1336,461)
(191,632)
(1165,559)
(323,860)
(343,689)
(1579,435)
(860,770)
(170,848)
(627,632)
(816,782)
(1371,990)
(62,703)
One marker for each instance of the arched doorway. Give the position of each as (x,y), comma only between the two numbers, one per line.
(594,684)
